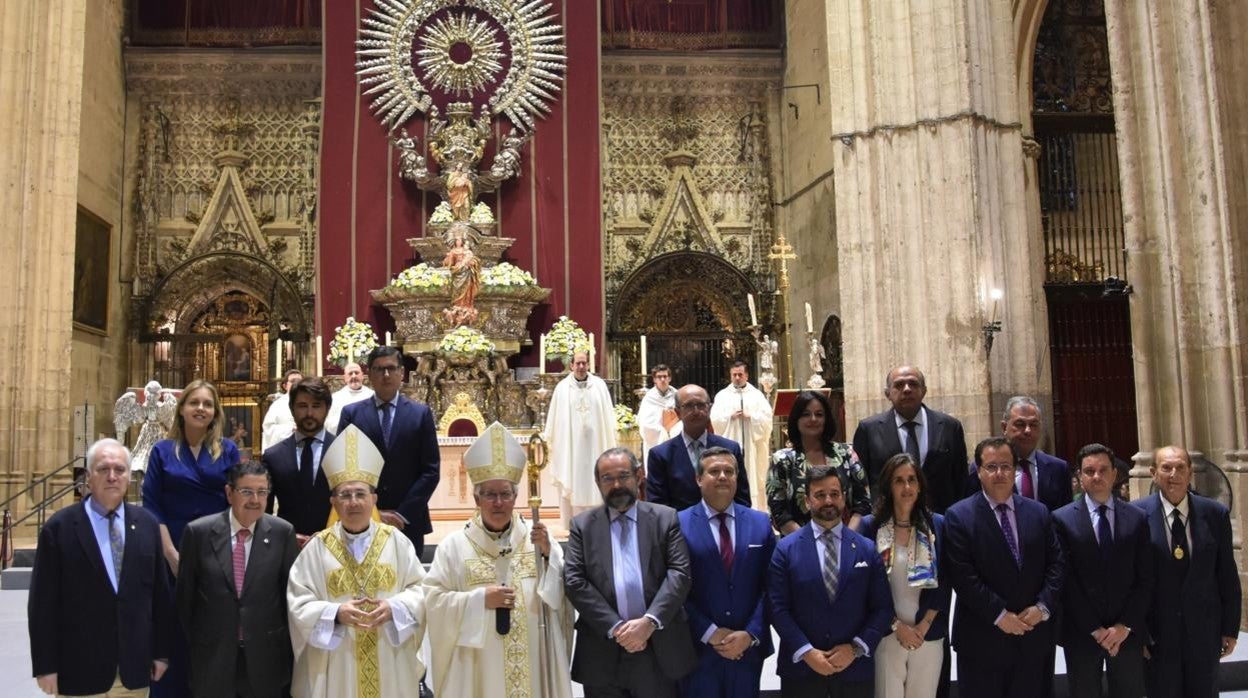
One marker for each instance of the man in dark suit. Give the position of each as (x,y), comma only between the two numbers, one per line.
(299,486)
(404,432)
(626,571)
(1037,475)
(934,439)
(730,546)
(1194,617)
(1109,582)
(1004,561)
(671,471)
(231,593)
(830,600)
(99,612)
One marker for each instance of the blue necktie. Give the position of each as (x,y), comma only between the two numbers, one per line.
(387,418)
(633,605)
(1104,537)
(1008,530)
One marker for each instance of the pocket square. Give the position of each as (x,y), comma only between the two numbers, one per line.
(755,545)
(860,563)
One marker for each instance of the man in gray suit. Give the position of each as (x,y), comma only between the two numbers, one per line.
(626,570)
(231,593)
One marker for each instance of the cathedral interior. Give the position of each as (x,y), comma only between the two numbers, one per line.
(1021,197)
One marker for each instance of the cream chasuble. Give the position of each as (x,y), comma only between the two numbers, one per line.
(650,418)
(470,658)
(338,661)
(752,430)
(580,425)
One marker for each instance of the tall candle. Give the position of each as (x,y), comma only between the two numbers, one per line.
(389,339)
(541,353)
(320,355)
(810,326)
(753,311)
(643,355)
(277,353)
(591,352)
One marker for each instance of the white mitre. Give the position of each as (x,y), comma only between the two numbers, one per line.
(352,457)
(495,455)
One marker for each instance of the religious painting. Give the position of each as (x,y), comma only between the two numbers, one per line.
(92,244)
(239,424)
(237,358)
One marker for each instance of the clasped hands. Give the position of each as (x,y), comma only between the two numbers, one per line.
(366,614)
(829,662)
(1021,623)
(633,635)
(1110,639)
(730,644)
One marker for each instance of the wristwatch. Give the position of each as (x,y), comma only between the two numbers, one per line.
(858,650)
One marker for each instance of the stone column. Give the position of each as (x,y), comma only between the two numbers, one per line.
(41,62)
(1179,101)
(931,211)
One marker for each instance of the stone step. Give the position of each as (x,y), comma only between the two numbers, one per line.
(23,557)
(15,578)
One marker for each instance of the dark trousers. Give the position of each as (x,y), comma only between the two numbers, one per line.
(636,676)
(1084,659)
(717,677)
(1021,675)
(1184,667)
(826,687)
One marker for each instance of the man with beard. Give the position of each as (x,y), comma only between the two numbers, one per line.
(627,573)
(828,634)
(657,417)
(299,485)
(352,391)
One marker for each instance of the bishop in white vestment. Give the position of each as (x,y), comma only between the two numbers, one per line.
(742,413)
(656,416)
(351,392)
(355,598)
(494,595)
(580,425)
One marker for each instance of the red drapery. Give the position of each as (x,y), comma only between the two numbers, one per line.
(690,24)
(553,211)
(225,22)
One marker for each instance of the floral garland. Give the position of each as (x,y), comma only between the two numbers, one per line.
(352,342)
(565,336)
(422,277)
(465,340)
(625,420)
(442,215)
(507,274)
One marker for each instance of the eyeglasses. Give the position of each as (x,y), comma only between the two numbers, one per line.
(385,370)
(699,406)
(612,479)
(994,468)
(248,493)
(351,496)
(497,496)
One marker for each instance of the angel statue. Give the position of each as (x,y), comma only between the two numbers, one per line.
(767,348)
(155,414)
(817,355)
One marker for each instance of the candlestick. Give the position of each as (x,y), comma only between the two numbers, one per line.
(810,326)
(643,356)
(753,311)
(541,353)
(320,355)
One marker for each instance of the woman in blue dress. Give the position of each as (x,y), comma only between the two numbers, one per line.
(186,476)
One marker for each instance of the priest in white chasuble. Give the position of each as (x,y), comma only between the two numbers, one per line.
(355,597)
(494,596)
(657,416)
(742,413)
(580,425)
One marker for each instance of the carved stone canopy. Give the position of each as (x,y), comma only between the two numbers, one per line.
(683,292)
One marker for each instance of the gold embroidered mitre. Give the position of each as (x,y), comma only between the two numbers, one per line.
(495,455)
(352,457)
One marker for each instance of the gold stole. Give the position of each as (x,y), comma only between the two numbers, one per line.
(361,580)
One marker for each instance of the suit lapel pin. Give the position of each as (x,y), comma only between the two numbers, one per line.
(266,541)
(131,527)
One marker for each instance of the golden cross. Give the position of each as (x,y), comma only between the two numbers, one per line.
(783,252)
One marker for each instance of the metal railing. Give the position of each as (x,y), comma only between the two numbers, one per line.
(39,510)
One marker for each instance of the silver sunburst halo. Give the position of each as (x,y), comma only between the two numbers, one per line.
(387,49)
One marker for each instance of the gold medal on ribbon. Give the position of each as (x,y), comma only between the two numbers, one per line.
(1178,553)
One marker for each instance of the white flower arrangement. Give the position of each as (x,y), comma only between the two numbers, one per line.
(507,274)
(481,214)
(625,420)
(565,336)
(352,342)
(465,340)
(422,277)
(442,214)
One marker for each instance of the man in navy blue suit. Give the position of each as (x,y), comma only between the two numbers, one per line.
(100,612)
(1037,475)
(1109,582)
(298,483)
(730,546)
(830,600)
(1004,561)
(1194,617)
(404,432)
(671,470)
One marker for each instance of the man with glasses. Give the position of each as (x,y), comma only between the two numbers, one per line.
(404,432)
(231,592)
(1001,555)
(355,596)
(627,574)
(495,591)
(99,613)
(671,473)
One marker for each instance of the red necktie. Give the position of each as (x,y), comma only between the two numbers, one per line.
(240,561)
(725,541)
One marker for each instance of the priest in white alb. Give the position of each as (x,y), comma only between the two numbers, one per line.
(580,425)
(352,391)
(494,596)
(741,412)
(657,416)
(278,421)
(355,597)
